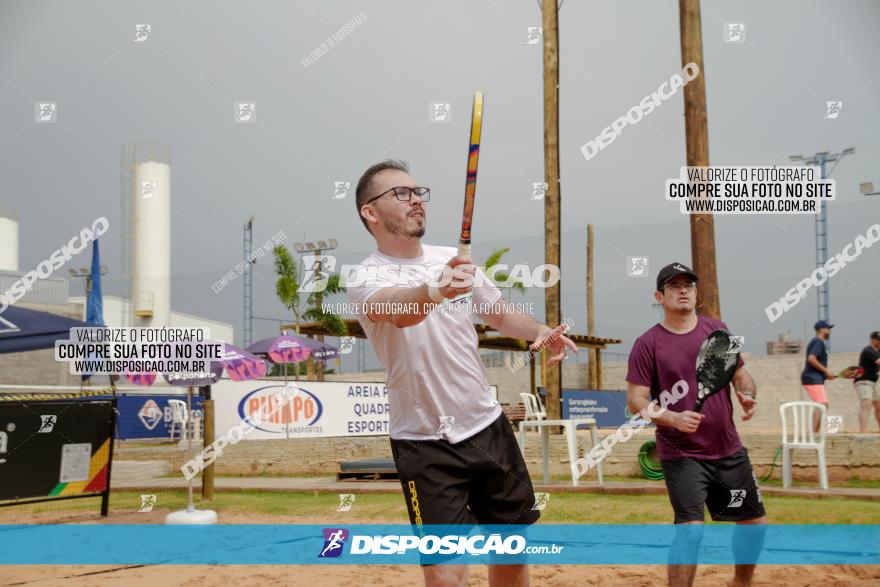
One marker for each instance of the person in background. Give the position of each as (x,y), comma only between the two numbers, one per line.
(816,368)
(866,384)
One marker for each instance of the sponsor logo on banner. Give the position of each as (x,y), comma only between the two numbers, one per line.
(334,540)
(304,409)
(150,414)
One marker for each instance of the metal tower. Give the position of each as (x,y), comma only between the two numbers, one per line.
(248,282)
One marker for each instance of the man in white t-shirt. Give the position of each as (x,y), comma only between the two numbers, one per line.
(455,452)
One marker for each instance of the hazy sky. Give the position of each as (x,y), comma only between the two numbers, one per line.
(369,97)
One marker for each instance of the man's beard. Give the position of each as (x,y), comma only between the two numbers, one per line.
(396,229)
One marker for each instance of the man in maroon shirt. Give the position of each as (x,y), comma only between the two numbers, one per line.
(704,462)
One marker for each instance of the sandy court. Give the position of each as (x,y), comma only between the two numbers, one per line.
(389,576)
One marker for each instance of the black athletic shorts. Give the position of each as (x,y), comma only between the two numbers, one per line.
(480,480)
(727,486)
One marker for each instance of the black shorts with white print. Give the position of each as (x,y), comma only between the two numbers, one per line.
(727,486)
(480,480)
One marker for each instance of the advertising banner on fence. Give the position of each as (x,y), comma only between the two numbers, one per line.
(150,416)
(316,409)
(54,448)
(607,407)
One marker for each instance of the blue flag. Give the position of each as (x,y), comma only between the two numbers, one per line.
(95,301)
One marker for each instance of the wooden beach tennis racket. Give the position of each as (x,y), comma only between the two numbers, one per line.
(851,372)
(470,186)
(715,366)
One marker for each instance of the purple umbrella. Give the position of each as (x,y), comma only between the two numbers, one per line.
(282,349)
(320,350)
(241,365)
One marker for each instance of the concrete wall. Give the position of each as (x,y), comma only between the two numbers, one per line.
(847,456)
(777,378)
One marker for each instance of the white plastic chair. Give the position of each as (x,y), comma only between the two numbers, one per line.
(179,418)
(536,417)
(534,409)
(803,436)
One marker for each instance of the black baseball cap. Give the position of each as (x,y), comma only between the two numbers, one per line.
(673,270)
(822,324)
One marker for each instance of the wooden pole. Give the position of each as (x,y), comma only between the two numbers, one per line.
(208,432)
(553,378)
(697,140)
(591,366)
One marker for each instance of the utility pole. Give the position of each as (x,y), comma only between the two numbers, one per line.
(551,374)
(697,142)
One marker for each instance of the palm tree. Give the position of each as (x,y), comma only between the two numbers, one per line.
(288,285)
(502,278)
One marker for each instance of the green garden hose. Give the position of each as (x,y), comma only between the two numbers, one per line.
(648,462)
(773,464)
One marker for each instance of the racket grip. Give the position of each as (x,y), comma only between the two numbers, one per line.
(698,405)
(464,251)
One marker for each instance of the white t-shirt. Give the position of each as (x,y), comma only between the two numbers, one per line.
(436,382)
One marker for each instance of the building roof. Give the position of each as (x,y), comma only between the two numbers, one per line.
(484,333)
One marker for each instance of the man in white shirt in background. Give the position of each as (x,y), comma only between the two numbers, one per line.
(455,452)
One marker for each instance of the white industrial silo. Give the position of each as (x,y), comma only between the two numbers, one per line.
(147,173)
(8,242)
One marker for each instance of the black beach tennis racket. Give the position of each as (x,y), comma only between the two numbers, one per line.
(716,364)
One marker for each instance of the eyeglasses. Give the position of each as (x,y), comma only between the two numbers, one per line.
(404,194)
(688,285)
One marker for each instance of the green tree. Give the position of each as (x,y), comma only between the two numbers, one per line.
(502,278)
(288,287)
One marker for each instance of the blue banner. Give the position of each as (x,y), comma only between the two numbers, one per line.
(150,416)
(607,407)
(124,544)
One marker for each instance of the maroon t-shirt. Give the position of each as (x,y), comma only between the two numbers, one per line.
(658,360)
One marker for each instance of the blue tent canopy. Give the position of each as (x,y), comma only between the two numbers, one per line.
(28,330)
